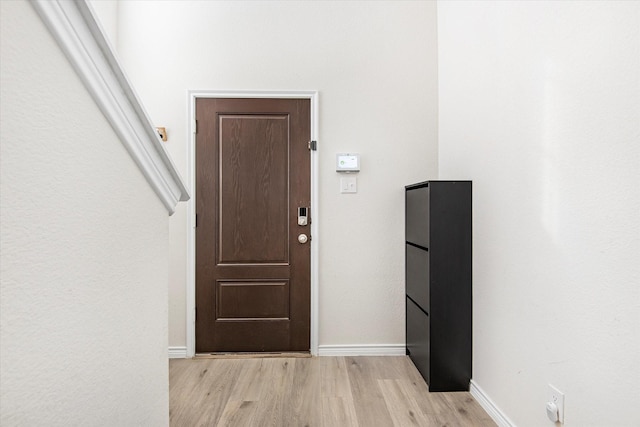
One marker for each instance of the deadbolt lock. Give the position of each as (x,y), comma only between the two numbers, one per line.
(303,216)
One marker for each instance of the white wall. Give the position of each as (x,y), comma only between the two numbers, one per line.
(540,107)
(107,13)
(84,248)
(374,65)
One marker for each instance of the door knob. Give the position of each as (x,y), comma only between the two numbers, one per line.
(302,238)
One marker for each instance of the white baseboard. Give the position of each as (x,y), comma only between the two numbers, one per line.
(362,350)
(177,352)
(487,404)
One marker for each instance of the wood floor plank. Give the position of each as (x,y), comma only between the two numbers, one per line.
(213,390)
(430,403)
(271,410)
(401,405)
(318,391)
(238,413)
(336,390)
(338,412)
(304,402)
(249,385)
(185,383)
(368,400)
(468,410)
(389,367)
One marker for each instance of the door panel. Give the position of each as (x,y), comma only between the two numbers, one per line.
(252,275)
(254,190)
(253,300)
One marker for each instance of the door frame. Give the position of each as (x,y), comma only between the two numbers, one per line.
(191,210)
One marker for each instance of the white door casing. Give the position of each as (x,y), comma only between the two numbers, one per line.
(191,284)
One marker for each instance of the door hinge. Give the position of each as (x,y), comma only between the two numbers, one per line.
(196,220)
(313,145)
(195,126)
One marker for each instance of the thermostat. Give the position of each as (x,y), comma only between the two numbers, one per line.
(347,162)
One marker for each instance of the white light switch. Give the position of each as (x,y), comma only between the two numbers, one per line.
(348,184)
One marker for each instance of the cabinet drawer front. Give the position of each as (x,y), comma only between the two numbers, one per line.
(418,338)
(417,269)
(417,216)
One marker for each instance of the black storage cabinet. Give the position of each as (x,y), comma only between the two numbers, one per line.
(438,282)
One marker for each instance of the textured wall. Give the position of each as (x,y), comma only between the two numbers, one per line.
(374,65)
(540,107)
(84,247)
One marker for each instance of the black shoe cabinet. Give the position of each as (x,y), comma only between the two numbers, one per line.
(438,282)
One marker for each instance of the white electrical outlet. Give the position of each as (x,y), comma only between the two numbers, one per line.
(557,397)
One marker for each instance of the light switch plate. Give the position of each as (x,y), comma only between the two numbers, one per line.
(348,184)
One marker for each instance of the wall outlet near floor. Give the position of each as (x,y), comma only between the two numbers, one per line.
(557,398)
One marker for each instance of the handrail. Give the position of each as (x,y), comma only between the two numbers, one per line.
(80,36)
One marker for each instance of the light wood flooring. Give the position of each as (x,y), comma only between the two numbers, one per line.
(319,391)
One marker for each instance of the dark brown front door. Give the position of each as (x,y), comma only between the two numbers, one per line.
(252,273)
